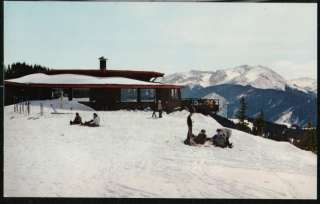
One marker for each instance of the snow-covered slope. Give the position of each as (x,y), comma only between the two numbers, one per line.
(133,155)
(257,76)
(285,118)
(304,84)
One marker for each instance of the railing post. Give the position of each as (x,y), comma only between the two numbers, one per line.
(41,109)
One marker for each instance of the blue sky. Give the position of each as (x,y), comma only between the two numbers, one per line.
(166,37)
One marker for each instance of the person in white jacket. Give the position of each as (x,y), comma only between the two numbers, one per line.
(95,122)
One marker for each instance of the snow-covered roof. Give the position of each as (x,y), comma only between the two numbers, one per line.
(80,80)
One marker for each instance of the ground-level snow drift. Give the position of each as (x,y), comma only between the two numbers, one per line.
(133,155)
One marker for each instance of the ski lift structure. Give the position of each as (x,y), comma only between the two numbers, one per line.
(201,105)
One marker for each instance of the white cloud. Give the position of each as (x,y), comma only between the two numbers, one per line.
(291,70)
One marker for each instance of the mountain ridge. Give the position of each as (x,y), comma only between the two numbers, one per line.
(283,107)
(283,101)
(257,76)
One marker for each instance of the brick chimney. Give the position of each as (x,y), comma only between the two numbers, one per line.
(103,63)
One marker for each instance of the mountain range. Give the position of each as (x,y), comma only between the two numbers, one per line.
(282,101)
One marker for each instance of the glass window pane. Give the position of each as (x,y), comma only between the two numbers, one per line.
(129,95)
(147,95)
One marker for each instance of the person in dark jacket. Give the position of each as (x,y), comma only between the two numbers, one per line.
(154,115)
(201,138)
(77,120)
(221,139)
(160,108)
(189,140)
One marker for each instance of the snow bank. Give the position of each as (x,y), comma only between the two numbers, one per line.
(63,105)
(134,155)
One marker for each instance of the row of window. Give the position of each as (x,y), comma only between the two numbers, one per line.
(146,95)
(127,95)
(131,95)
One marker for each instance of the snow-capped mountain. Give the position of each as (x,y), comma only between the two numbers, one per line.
(260,77)
(283,101)
(304,84)
(256,76)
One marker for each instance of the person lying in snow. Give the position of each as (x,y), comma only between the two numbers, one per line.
(95,122)
(201,138)
(221,139)
(77,120)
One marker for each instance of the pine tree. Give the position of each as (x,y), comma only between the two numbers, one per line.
(259,124)
(241,113)
(309,139)
(241,116)
(18,69)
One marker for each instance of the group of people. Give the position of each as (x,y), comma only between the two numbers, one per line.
(95,122)
(220,139)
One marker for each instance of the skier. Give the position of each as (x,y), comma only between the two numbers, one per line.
(160,108)
(77,120)
(154,115)
(221,139)
(95,122)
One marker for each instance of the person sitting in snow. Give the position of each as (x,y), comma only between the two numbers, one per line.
(201,138)
(77,120)
(221,139)
(95,122)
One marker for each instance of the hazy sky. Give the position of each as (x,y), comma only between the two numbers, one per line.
(166,37)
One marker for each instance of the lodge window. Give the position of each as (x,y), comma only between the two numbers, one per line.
(147,95)
(174,94)
(129,95)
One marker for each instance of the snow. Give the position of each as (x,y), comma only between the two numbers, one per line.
(76,79)
(304,84)
(285,118)
(235,121)
(61,103)
(133,155)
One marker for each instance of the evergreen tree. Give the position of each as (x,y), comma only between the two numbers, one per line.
(309,139)
(241,113)
(241,116)
(259,124)
(18,69)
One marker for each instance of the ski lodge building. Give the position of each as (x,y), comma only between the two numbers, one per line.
(106,89)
